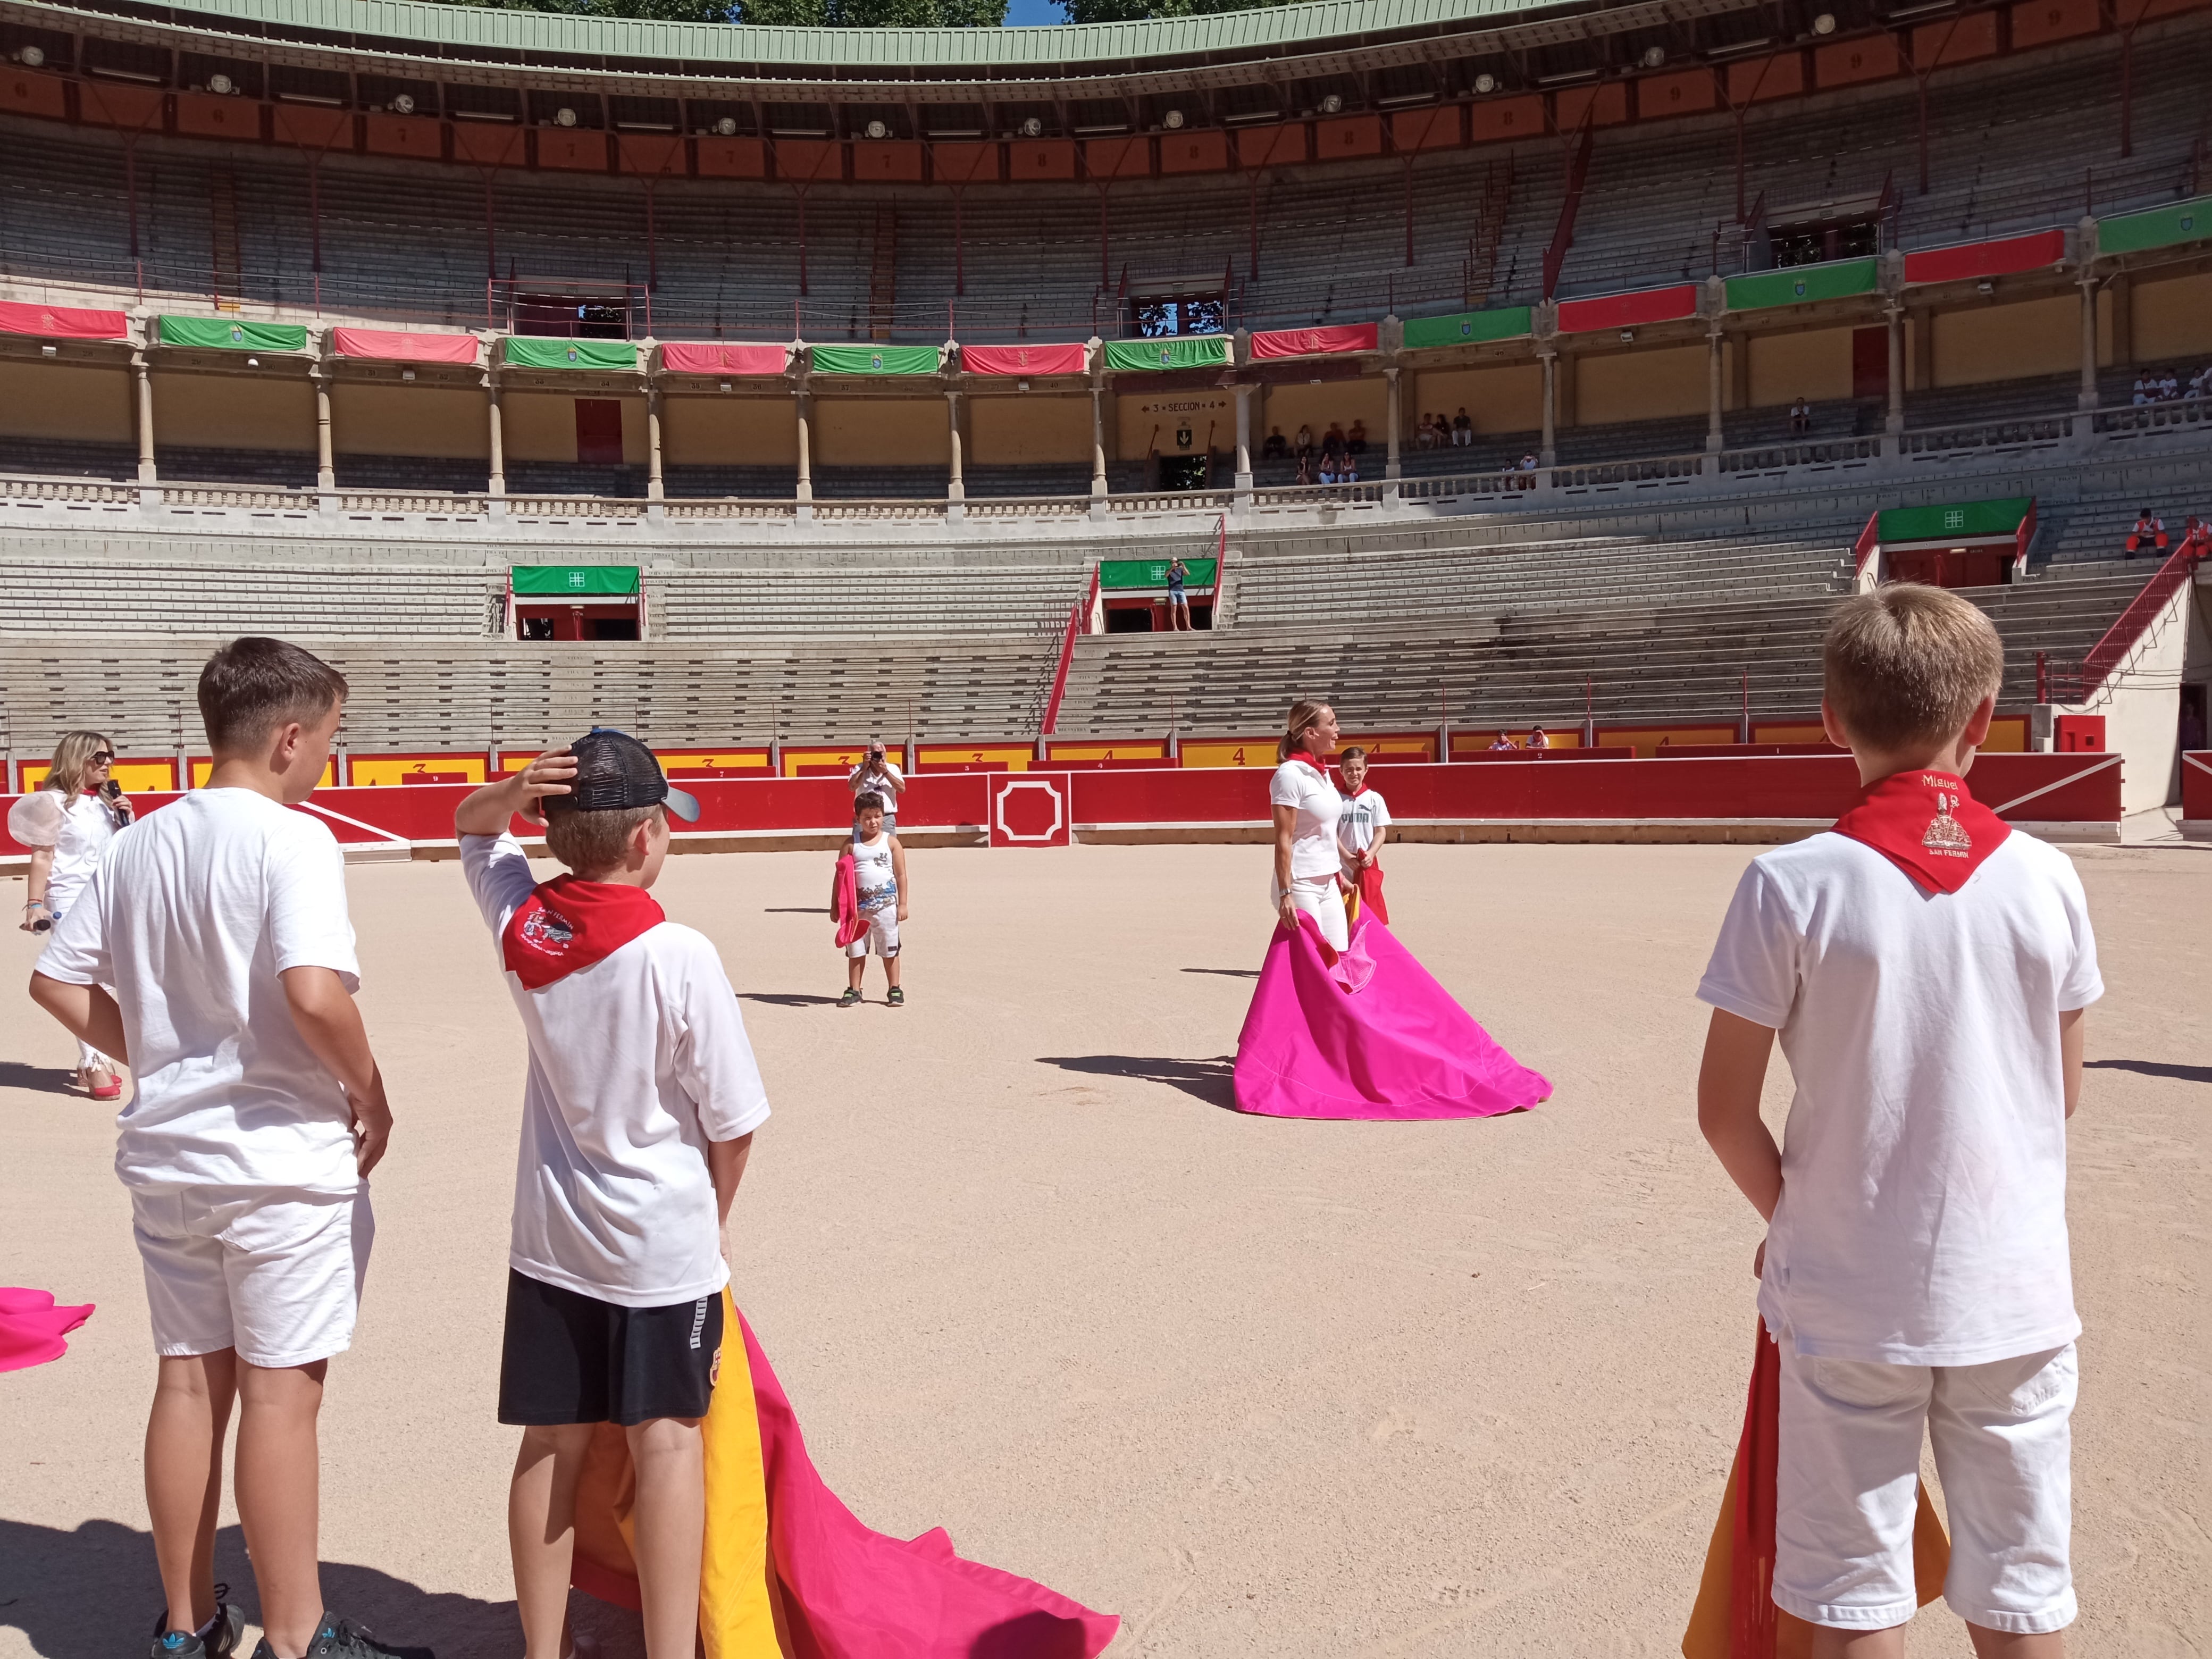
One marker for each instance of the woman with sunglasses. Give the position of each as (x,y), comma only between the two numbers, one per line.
(67,825)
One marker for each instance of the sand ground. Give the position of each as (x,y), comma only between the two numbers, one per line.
(1294,1389)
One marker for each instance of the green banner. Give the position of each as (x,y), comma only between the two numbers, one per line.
(872,360)
(1954,521)
(1468,327)
(522,351)
(1799,285)
(1199,351)
(574,581)
(2182,222)
(1120,575)
(221,334)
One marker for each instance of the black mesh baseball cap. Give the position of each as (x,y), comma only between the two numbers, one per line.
(615,771)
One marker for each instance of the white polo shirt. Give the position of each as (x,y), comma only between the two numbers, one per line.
(636,1062)
(1923,1219)
(1313,843)
(192,913)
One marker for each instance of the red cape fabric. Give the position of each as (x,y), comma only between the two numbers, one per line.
(1928,825)
(31,1327)
(1023,359)
(722,357)
(566,924)
(387,346)
(1370,886)
(850,926)
(1313,342)
(63,322)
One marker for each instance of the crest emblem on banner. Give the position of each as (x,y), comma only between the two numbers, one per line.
(575,355)
(1166,352)
(1798,289)
(237,335)
(875,362)
(1467,328)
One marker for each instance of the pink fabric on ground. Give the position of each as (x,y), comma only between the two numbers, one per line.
(1399,1048)
(850,1593)
(32,1328)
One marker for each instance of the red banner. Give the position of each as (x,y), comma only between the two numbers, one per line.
(1648,305)
(1999,258)
(392,348)
(721,357)
(1314,342)
(63,322)
(1023,359)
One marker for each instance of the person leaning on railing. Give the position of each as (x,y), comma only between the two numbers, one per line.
(67,825)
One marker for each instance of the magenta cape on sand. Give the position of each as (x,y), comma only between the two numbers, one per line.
(31,1327)
(1398,1047)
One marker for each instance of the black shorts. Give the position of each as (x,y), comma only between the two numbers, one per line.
(568,1357)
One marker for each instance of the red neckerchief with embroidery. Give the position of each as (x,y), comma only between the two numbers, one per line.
(1928,825)
(566,924)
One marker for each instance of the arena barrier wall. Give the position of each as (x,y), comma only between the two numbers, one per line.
(2196,793)
(2072,797)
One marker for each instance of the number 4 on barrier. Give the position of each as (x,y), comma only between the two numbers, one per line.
(1030,809)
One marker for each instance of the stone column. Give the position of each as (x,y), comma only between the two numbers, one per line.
(956,487)
(1894,420)
(1713,345)
(498,479)
(1393,426)
(654,488)
(1243,479)
(326,475)
(145,408)
(2088,398)
(1549,454)
(1097,443)
(804,404)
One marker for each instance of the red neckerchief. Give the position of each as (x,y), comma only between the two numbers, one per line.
(566,924)
(1301,760)
(1928,825)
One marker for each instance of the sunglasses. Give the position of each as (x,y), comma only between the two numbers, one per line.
(103,759)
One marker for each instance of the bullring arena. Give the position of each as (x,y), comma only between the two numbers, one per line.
(1485,370)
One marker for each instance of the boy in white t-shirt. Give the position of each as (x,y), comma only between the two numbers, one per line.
(221,921)
(1926,967)
(638,1113)
(1364,823)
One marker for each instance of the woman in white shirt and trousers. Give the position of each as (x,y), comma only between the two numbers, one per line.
(1306,806)
(67,825)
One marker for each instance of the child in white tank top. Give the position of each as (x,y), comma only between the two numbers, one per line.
(879,877)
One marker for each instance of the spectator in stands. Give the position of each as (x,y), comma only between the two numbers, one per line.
(1528,461)
(876,776)
(1328,469)
(1537,740)
(1348,472)
(2169,387)
(1277,447)
(2200,383)
(67,823)
(1504,741)
(1305,467)
(1424,435)
(1178,600)
(2149,527)
(1303,442)
(1800,418)
(1332,443)
(1462,430)
(2146,389)
(1355,441)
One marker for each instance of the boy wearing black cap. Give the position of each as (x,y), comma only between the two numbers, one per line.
(638,1112)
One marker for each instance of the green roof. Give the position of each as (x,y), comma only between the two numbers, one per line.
(573,580)
(894,50)
(1956,521)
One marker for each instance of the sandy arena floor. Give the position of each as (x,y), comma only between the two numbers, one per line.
(1306,1390)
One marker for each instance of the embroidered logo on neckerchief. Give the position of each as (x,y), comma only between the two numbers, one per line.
(1927,824)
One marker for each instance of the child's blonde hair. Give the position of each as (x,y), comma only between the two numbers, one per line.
(593,843)
(1908,664)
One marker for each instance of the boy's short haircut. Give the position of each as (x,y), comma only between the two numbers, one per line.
(253,685)
(592,843)
(1908,664)
(867,801)
(1353,753)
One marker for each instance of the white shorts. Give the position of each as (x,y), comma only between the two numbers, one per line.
(276,1274)
(1320,897)
(1850,1456)
(882,934)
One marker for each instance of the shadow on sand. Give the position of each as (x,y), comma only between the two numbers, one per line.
(1209,1080)
(2153,1068)
(93,1593)
(42,1080)
(788,998)
(1226,973)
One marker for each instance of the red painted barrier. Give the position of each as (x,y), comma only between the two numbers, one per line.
(1040,808)
(2197,788)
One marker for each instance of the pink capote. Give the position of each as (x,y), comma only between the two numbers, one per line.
(852,1593)
(1397,1048)
(31,1327)
(845,904)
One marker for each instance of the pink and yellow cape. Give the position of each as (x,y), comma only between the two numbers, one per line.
(791,1573)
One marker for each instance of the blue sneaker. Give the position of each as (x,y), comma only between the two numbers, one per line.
(219,1641)
(341,1638)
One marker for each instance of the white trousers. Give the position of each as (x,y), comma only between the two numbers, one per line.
(1320,897)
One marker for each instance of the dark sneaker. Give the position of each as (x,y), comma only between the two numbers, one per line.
(896,998)
(851,999)
(220,1643)
(341,1638)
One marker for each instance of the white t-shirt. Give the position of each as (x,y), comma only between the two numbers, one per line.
(78,830)
(1923,1219)
(862,781)
(1363,814)
(1312,840)
(636,1062)
(191,916)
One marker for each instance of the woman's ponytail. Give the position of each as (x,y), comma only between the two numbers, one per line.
(1305,715)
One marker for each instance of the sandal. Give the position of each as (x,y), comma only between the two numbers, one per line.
(850,999)
(111,1089)
(895,997)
